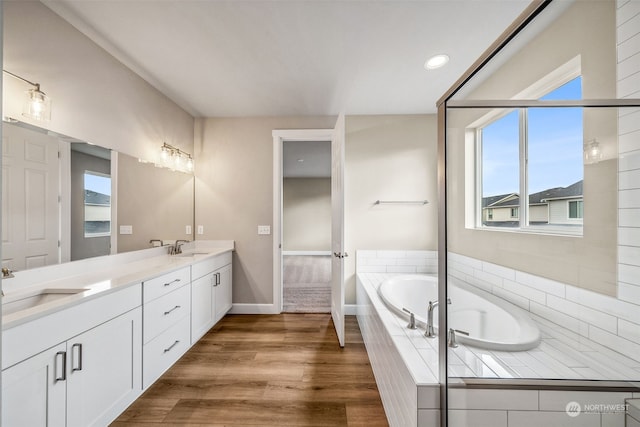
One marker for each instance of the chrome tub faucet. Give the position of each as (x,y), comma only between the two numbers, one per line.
(430,332)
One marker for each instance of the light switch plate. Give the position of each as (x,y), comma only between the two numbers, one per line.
(187,230)
(126,229)
(264,229)
(201,229)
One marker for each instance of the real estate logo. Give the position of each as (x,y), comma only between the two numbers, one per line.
(573,409)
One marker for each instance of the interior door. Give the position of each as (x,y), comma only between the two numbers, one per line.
(337,228)
(30,213)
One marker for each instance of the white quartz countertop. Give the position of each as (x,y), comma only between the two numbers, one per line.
(99,278)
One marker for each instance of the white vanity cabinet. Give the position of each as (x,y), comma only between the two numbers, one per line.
(166,334)
(210,293)
(85,380)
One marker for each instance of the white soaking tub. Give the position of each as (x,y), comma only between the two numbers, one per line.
(492,323)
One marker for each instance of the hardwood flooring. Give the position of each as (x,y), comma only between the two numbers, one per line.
(266,370)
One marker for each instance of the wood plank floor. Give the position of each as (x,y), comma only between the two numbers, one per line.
(266,370)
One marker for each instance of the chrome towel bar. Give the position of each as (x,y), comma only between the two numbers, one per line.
(401,202)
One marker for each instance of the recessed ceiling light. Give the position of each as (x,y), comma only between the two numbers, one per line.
(300,160)
(436,61)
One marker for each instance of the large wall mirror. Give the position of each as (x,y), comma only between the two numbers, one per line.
(64,199)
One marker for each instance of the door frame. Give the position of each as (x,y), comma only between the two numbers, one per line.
(279,137)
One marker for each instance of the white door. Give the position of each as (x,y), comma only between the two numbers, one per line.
(337,228)
(30,183)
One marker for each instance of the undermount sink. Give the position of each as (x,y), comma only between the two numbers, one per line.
(13,304)
(188,254)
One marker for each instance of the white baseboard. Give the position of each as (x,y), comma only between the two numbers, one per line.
(349,309)
(254,309)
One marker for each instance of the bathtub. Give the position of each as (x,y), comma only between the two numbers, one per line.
(492,323)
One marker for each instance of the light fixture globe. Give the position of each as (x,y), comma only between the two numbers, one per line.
(37,105)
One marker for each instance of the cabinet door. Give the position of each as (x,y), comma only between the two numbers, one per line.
(104,370)
(33,391)
(202,305)
(223,292)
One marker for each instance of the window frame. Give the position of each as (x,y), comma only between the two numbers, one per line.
(84,206)
(564,74)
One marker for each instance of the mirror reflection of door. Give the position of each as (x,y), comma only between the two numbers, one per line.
(30,209)
(90,201)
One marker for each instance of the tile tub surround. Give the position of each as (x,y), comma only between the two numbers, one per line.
(408,385)
(401,358)
(600,322)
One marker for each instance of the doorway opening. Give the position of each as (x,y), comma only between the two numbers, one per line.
(306,226)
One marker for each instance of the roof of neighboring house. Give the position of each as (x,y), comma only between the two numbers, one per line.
(504,201)
(94,198)
(502,198)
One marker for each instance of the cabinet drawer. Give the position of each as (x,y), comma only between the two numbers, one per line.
(161,285)
(163,312)
(164,350)
(207,266)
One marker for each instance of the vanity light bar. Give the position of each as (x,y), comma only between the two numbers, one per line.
(170,153)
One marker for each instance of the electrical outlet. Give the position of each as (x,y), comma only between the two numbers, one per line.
(264,229)
(126,229)
(201,229)
(187,230)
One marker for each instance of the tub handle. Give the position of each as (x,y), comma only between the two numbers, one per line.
(452,336)
(412,319)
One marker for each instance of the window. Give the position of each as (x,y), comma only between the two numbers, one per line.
(537,152)
(575,209)
(97,204)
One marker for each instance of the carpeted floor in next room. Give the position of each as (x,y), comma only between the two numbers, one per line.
(306,284)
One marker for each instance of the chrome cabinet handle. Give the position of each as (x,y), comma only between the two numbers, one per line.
(172,282)
(166,350)
(62,377)
(79,347)
(174,308)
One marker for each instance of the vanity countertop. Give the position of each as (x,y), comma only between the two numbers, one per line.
(100,279)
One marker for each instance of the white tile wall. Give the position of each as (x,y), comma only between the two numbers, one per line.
(627,337)
(404,361)
(600,318)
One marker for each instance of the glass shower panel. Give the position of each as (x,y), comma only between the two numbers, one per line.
(542,310)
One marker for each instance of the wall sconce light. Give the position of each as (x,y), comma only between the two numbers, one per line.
(175,158)
(37,105)
(592,152)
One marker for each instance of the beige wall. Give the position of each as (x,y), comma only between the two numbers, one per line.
(389,158)
(306,214)
(588,29)
(95,98)
(234,188)
(157,202)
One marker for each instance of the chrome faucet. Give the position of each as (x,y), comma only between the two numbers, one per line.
(6,273)
(452,336)
(177,247)
(412,319)
(430,332)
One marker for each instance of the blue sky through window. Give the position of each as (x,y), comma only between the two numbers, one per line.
(554,142)
(99,184)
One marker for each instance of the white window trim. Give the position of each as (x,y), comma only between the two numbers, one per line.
(473,133)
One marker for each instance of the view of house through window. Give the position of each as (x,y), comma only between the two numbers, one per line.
(538,151)
(97,204)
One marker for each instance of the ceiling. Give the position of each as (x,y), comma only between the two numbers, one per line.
(226,58)
(306,159)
